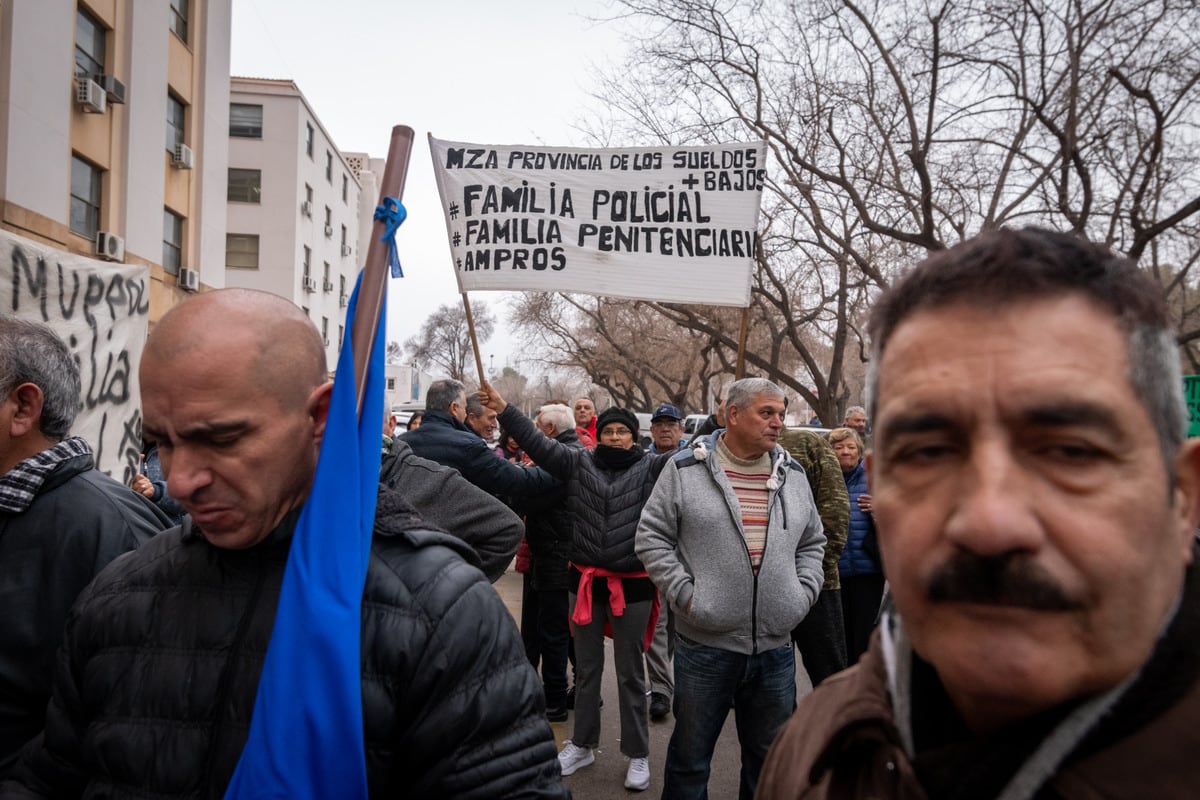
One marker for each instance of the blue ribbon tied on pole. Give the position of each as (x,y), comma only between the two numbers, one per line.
(391,212)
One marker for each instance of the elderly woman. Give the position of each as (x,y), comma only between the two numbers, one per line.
(606,489)
(858,568)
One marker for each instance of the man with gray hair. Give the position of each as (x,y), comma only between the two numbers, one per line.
(548,529)
(481,420)
(61,521)
(445,438)
(732,539)
(1037,505)
(856,419)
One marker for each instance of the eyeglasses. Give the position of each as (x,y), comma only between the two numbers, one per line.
(617,432)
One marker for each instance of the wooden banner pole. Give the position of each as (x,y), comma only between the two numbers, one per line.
(740,369)
(373,292)
(474,341)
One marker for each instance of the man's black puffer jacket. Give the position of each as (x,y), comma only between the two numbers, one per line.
(156,682)
(607,503)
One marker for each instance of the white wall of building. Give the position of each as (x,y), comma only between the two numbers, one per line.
(35,107)
(284,230)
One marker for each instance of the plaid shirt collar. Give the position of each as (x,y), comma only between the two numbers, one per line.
(21,484)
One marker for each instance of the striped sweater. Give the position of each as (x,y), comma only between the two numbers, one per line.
(748,479)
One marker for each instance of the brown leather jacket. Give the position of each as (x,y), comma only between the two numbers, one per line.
(842,742)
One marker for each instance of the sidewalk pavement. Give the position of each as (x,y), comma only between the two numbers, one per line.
(606,778)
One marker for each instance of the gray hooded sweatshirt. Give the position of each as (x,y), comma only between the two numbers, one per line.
(691,541)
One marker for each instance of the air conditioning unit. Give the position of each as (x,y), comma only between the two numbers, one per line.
(310,284)
(343,301)
(89,96)
(113,88)
(325,341)
(306,208)
(188,279)
(328,230)
(109,246)
(327,286)
(183,157)
(347,249)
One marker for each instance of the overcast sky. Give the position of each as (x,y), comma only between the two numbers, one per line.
(514,72)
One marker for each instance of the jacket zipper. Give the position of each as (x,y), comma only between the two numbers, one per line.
(223,688)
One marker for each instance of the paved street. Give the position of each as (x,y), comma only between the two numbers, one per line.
(605,778)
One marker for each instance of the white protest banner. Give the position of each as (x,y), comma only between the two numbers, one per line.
(677,224)
(100,309)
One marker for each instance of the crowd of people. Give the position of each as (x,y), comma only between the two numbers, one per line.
(992,588)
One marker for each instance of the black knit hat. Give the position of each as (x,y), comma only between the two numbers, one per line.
(611,415)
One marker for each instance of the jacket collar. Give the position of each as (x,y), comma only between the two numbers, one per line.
(445,419)
(21,484)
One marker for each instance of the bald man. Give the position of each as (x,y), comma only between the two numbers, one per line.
(162,653)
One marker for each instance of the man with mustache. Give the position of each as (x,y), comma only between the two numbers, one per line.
(1036,506)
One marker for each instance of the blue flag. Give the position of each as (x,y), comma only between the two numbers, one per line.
(306,735)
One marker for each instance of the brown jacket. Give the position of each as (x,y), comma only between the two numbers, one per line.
(842,743)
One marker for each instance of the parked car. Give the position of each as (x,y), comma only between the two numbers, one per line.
(644,437)
(691,424)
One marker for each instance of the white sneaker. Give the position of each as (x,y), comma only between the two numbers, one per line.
(637,777)
(573,757)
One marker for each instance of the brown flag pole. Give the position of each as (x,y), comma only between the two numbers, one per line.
(739,371)
(474,340)
(373,291)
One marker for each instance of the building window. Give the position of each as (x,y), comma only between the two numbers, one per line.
(328,285)
(307,261)
(341,285)
(172,242)
(341,335)
(329,166)
(328,221)
(245,185)
(85,197)
(245,120)
(343,239)
(308,195)
(391,384)
(241,250)
(345,188)
(325,330)
(178,19)
(89,44)
(308,139)
(175,122)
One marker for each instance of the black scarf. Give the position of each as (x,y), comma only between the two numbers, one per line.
(617,459)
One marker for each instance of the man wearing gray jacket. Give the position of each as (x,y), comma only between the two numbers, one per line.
(732,539)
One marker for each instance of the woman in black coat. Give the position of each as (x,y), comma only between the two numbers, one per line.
(606,490)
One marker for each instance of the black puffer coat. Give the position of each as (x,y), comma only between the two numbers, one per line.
(549,529)
(447,500)
(607,503)
(163,652)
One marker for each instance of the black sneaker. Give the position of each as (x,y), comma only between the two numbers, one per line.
(558,714)
(660,706)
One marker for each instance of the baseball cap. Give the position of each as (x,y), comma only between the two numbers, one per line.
(666,410)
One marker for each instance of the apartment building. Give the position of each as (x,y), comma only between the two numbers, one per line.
(113,133)
(292,224)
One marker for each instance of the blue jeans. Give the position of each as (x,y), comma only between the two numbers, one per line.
(762,689)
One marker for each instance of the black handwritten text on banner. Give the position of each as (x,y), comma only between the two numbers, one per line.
(100,310)
(657,223)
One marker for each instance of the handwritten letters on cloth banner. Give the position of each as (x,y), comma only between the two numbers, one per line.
(661,223)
